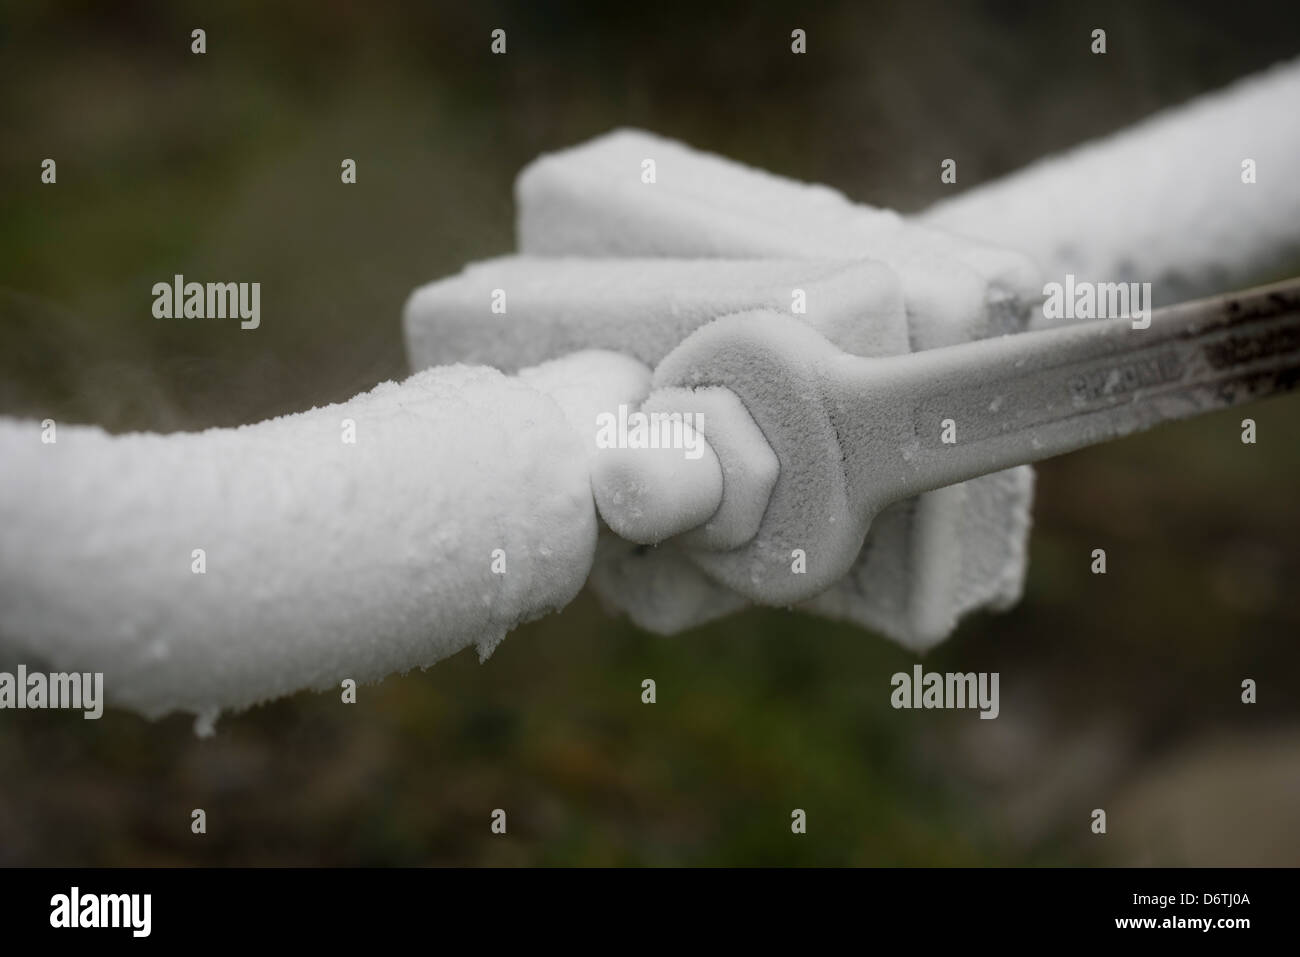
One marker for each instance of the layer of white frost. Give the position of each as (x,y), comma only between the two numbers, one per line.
(1165,201)
(922,566)
(464,506)
(462,509)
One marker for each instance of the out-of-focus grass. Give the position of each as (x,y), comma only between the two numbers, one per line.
(226,166)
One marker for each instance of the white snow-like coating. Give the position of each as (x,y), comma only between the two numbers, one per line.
(639,307)
(1161,202)
(588,383)
(324,560)
(775,366)
(465,505)
(749,466)
(645,495)
(590,200)
(648,495)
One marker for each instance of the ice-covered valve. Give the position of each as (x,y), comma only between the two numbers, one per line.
(853,435)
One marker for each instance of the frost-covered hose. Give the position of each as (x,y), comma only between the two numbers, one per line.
(208,571)
(1198,199)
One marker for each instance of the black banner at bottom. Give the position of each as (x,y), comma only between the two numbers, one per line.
(332,907)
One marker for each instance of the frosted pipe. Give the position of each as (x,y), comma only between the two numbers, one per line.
(208,571)
(1197,199)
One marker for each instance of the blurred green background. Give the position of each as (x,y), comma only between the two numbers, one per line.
(1119,691)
